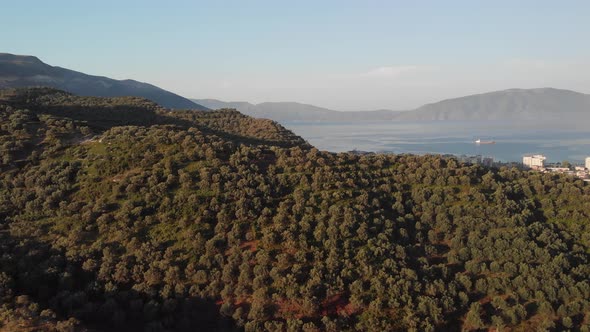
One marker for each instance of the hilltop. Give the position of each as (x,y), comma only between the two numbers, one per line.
(101,113)
(25,71)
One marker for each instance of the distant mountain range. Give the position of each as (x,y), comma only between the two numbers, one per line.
(292,111)
(22,71)
(544,104)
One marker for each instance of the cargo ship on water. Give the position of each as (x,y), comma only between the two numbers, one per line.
(479,141)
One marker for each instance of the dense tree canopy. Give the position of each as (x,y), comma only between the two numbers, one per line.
(117,214)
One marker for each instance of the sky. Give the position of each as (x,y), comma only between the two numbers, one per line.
(343,55)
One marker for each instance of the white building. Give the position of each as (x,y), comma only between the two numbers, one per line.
(534,161)
(588,163)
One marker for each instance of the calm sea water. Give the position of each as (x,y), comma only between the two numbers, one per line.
(513,140)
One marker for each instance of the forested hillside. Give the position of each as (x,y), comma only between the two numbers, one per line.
(116,214)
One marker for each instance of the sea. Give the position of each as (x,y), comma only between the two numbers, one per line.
(513,140)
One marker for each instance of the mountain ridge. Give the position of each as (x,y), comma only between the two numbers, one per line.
(27,70)
(510,104)
(295,111)
(548,104)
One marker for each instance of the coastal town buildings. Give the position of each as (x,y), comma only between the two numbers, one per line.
(487,161)
(534,161)
(475,160)
(537,163)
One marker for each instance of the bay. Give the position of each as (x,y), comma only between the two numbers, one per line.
(513,139)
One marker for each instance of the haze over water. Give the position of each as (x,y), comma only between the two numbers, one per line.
(513,140)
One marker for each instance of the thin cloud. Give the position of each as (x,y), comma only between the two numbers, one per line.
(393,71)
(225,84)
(529,63)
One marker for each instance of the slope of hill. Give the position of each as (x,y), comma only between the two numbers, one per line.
(117,215)
(546,104)
(292,111)
(23,71)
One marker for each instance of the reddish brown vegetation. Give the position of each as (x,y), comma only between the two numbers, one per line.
(337,304)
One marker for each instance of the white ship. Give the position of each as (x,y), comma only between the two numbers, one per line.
(479,141)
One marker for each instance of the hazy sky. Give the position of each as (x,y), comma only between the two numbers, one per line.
(346,55)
